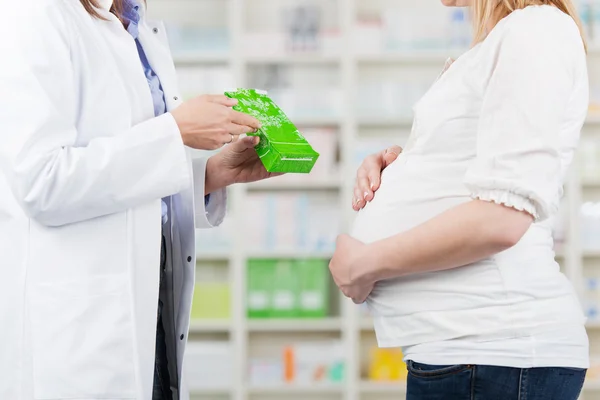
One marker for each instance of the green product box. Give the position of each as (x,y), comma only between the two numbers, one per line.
(313,293)
(211,301)
(284,296)
(259,281)
(282,148)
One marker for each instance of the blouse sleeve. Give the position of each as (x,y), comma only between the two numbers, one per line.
(518,161)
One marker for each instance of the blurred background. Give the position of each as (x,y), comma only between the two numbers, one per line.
(268,323)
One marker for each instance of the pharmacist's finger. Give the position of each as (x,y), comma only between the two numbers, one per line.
(228,138)
(236,129)
(390,155)
(244,119)
(220,99)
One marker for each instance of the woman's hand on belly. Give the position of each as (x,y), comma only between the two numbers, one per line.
(350,268)
(368,177)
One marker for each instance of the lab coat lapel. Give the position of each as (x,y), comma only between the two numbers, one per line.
(153,39)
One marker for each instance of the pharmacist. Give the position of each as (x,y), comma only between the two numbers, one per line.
(93,136)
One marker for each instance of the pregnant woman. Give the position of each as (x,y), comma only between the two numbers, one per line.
(452,248)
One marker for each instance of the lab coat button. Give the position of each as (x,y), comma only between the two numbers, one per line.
(181,337)
(189,259)
(155,30)
(175,98)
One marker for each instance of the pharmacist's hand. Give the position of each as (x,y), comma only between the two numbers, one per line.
(368,177)
(236,163)
(349,269)
(208,122)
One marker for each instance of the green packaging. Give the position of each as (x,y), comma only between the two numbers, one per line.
(282,148)
(211,301)
(313,275)
(259,289)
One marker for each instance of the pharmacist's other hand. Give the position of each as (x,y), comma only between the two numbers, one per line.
(349,269)
(236,163)
(208,122)
(368,177)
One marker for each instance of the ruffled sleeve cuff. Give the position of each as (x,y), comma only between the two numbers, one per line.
(509,199)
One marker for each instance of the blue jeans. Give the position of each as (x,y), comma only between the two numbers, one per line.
(480,382)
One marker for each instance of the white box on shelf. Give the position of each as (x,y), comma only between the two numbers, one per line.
(368,37)
(264,44)
(265,372)
(209,365)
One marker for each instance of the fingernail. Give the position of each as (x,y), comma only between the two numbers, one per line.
(372,186)
(366,194)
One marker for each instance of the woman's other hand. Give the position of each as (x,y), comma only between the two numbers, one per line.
(350,268)
(368,177)
(237,163)
(208,122)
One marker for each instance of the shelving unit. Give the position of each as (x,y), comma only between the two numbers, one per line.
(347,324)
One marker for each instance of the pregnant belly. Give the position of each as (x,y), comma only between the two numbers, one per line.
(411,193)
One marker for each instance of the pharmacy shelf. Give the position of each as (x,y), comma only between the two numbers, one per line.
(208,255)
(247,336)
(296,389)
(592,324)
(317,121)
(384,122)
(410,57)
(295,59)
(295,325)
(591,183)
(366,324)
(205,392)
(392,388)
(210,326)
(300,184)
(201,59)
(591,253)
(288,254)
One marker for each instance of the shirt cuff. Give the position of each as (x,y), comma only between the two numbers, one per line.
(210,209)
(508,199)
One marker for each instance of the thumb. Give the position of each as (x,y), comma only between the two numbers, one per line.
(246,142)
(391,154)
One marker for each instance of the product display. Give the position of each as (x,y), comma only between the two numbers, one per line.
(590,159)
(304,364)
(282,147)
(402,30)
(292,221)
(590,226)
(287,288)
(209,365)
(190,40)
(387,365)
(304,92)
(211,301)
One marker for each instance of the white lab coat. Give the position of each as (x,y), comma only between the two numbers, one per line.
(83,166)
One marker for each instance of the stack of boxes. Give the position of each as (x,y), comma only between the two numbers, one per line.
(287,288)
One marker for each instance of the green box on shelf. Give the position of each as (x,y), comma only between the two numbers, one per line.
(282,148)
(313,294)
(284,296)
(259,287)
(211,301)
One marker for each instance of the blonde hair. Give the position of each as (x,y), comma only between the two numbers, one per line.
(487,13)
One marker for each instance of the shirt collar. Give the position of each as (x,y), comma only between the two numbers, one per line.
(132,16)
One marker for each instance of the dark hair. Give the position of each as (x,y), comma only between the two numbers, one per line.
(91,6)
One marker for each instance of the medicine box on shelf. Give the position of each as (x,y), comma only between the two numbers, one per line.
(287,288)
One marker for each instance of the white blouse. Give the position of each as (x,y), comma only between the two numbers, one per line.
(501,124)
